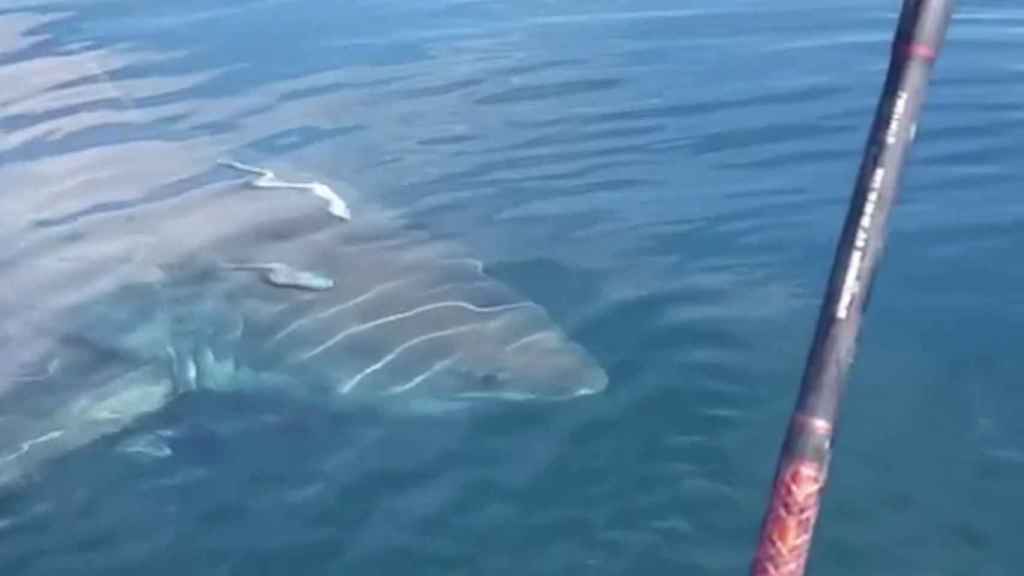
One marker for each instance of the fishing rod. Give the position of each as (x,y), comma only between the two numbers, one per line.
(803,464)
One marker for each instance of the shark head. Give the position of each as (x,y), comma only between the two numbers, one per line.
(542,366)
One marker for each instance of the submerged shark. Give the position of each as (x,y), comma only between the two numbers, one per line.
(268,291)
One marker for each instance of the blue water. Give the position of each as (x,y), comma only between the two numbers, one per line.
(667,179)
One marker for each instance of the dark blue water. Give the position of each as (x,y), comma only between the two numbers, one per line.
(667,180)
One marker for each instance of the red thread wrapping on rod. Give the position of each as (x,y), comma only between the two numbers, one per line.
(919,50)
(786,537)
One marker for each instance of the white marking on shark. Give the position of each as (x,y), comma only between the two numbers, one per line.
(335,309)
(335,204)
(405,346)
(285,276)
(529,338)
(26,446)
(437,367)
(395,317)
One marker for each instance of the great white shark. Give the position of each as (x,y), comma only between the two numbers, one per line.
(268,290)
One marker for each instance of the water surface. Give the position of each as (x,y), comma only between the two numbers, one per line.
(667,180)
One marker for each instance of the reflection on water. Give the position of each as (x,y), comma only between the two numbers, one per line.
(662,184)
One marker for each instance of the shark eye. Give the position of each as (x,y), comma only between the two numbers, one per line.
(490,379)
(493,379)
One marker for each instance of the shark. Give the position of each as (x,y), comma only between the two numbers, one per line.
(266,290)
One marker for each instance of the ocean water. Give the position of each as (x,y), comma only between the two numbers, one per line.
(666,179)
